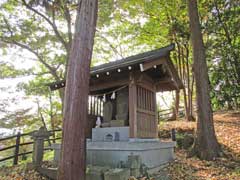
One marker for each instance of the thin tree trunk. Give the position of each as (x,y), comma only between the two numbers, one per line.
(186,107)
(189,92)
(73,160)
(206,145)
(176,107)
(191,96)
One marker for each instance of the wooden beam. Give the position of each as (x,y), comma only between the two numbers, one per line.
(146,111)
(100,85)
(174,73)
(165,87)
(149,65)
(145,81)
(163,80)
(132,107)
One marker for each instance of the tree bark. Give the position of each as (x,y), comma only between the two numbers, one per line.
(206,145)
(73,160)
(176,106)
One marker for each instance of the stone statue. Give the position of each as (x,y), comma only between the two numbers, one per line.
(122,105)
(107,111)
(98,122)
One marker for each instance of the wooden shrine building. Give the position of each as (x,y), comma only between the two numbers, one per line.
(123,92)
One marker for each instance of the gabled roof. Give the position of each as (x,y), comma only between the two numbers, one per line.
(131,60)
(127,62)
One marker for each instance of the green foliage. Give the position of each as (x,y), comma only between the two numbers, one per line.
(19,119)
(9,71)
(223,45)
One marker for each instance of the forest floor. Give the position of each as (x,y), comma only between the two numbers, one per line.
(227,125)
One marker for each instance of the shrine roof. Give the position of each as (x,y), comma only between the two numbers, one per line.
(133,63)
(132,60)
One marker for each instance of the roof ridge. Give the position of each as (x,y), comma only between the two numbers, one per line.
(138,57)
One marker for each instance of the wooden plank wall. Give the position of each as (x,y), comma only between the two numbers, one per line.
(146,113)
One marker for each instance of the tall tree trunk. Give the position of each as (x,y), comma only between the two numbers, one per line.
(206,145)
(73,160)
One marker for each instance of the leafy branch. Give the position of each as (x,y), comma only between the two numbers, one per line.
(51,23)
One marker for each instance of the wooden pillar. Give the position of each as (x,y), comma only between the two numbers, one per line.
(156,112)
(16,152)
(132,107)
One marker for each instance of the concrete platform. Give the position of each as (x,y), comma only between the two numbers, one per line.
(153,152)
(113,154)
(115,134)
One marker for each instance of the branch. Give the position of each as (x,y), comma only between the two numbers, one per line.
(8,26)
(227,34)
(52,24)
(39,74)
(111,46)
(51,69)
(68,19)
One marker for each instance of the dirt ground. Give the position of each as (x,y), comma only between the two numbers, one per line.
(227,126)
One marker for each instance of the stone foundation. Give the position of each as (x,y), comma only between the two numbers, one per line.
(115,154)
(113,148)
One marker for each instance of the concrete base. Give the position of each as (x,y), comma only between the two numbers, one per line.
(117,134)
(153,153)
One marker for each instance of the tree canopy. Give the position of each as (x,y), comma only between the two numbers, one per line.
(40,32)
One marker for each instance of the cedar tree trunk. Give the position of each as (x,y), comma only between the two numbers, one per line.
(73,160)
(206,145)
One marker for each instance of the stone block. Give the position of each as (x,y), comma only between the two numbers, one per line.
(96,172)
(100,134)
(51,173)
(117,123)
(105,125)
(57,152)
(134,163)
(117,174)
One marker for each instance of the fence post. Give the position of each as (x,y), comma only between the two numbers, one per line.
(173,134)
(16,152)
(38,146)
